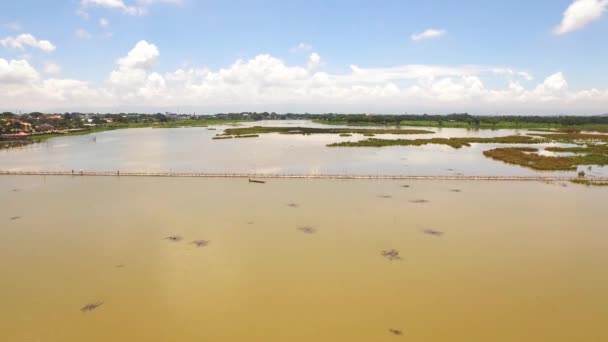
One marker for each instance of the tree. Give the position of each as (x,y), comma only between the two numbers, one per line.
(36,115)
(161,117)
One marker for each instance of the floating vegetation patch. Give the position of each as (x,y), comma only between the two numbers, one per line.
(314,130)
(220,137)
(585,128)
(453,142)
(247,136)
(256,181)
(405,186)
(368,134)
(528,157)
(120,266)
(293,205)
(574,137)
(200,243)
(419,201)
(385,196)
(307,230)
(395,332)
(90,307)
(174,238)
(391,254)
(455,190)
(14,218)
(589,182)
(432,232)
(346,135)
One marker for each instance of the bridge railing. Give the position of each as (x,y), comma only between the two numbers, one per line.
(289,176)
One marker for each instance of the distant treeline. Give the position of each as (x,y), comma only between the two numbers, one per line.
(392,119)
(72,120)
(473,120)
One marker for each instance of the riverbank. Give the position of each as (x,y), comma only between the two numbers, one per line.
(9,142)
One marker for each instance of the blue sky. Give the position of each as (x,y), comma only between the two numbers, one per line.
(488,42)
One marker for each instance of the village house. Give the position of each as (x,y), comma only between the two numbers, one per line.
(14,126)
(26,126)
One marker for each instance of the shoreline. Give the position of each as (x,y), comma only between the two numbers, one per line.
(300,176)
(43,136)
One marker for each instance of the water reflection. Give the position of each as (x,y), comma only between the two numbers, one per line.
(192,149)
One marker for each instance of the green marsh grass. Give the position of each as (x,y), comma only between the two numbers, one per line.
(315,130)
(527,157)
(453,142)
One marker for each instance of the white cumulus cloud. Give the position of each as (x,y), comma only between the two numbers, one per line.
(301,47)
(27,40)
(508,71)
(151,2)
(16,71)
(103,22)
(21,85)
(114,4)
(314,61)
(52,68)
(428,34)
(267,83)
(138,8)
(579,14)
(142,56)
(553,88)
(132,79)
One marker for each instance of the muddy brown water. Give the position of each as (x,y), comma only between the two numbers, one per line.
(516,262)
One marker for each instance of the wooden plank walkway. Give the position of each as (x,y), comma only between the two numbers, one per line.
(295,176)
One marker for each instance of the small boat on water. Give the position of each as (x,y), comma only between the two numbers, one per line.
(256,181)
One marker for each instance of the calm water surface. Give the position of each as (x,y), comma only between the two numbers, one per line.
(192,149)
(516,261)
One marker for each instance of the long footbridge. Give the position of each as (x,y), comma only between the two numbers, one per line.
(82,173)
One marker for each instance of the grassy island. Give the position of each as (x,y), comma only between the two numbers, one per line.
(314,130)
(574,137)
(587,182)
(528,157)
(453,142)
(468,121)
(247,136)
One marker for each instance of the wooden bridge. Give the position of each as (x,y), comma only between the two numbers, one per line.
(296,176)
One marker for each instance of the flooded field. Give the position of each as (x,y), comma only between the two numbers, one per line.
(194,150)
(176,259)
